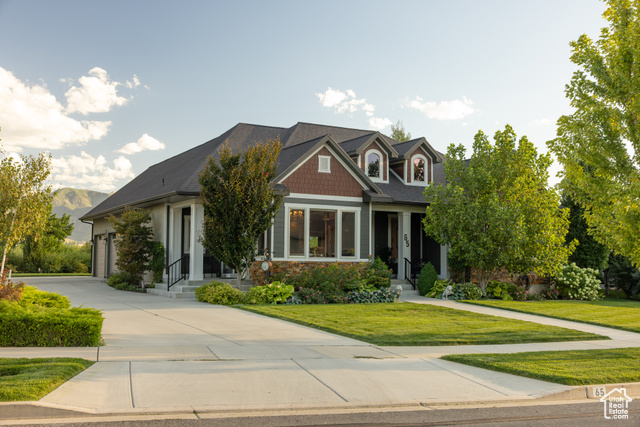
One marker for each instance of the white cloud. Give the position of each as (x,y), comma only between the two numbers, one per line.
(445,110)
(31,117)
(348,102)
(379,124)
(96,94)
(344,102)
(145,142)
(92,172)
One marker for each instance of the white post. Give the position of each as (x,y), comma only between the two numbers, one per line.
(196,265)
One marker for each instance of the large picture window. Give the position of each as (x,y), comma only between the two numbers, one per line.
(322,233)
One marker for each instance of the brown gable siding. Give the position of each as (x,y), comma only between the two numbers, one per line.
(420,150)
(384,160)
(307,179)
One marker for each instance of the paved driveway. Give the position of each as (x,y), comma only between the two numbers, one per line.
(180,355)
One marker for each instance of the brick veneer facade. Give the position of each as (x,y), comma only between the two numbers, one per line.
(291,267)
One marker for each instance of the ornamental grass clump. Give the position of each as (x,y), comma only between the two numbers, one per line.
(578,283)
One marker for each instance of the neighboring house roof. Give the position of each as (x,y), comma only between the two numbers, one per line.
(177,176)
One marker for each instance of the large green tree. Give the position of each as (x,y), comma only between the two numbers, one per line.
(599,144)
(497,209)
(133,243)
(589,253)
(240,202)
(398,133)
(25,199)
(49,239)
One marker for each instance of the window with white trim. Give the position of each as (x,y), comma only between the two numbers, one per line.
(419,169)
(324,164)
(330,232)
(374,164)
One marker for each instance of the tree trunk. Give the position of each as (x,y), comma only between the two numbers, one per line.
(239,274)
(483,280)
(4,257)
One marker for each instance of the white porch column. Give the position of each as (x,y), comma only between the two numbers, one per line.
(196,264)
(175,230)
(404,241)
(444,262)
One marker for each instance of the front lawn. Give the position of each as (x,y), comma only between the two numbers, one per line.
(406,324)
(619,314)
(31,379)
(577,367)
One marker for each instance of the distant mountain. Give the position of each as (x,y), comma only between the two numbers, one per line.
(76,203)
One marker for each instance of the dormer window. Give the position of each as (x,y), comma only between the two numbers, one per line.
(418,169)
(373,165)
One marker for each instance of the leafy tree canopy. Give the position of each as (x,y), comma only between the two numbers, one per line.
(589,253)
(49,239)
(239,201)
(497,209)
(398,133)
(25,198)
(599,144)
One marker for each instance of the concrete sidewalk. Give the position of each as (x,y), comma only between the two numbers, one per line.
(169,355)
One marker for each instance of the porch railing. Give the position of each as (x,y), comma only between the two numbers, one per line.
(177,271)
(409,274)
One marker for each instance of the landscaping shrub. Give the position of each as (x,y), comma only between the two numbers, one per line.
(427,278)
(310,296)
(499,290)
(123,282)
(333,283)
(471,291)
(33,296)
(377,296)
(219,293)
(549,294)
(35,326)
(11,291)
(377,274)
(272,293)
(157,263)
(438,287)
(578,283)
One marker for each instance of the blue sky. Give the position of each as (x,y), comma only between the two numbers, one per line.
(111,87)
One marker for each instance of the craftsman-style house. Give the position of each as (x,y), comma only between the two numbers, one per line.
(349,194)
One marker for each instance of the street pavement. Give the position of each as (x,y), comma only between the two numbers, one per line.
(166,355)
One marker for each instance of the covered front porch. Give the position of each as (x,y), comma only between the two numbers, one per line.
(399,240)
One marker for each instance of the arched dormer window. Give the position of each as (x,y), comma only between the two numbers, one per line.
(374,164)
(419,169)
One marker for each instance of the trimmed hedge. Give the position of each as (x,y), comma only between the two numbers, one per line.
(34,326)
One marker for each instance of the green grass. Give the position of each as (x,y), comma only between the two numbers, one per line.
(31,379)
(618,314)
(406,324)
(47,274)
(577,367)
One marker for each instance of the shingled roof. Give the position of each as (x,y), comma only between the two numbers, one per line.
(177,176)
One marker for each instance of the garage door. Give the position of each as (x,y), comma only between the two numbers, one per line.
(99,244)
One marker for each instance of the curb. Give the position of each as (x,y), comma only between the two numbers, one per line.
(593,392)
